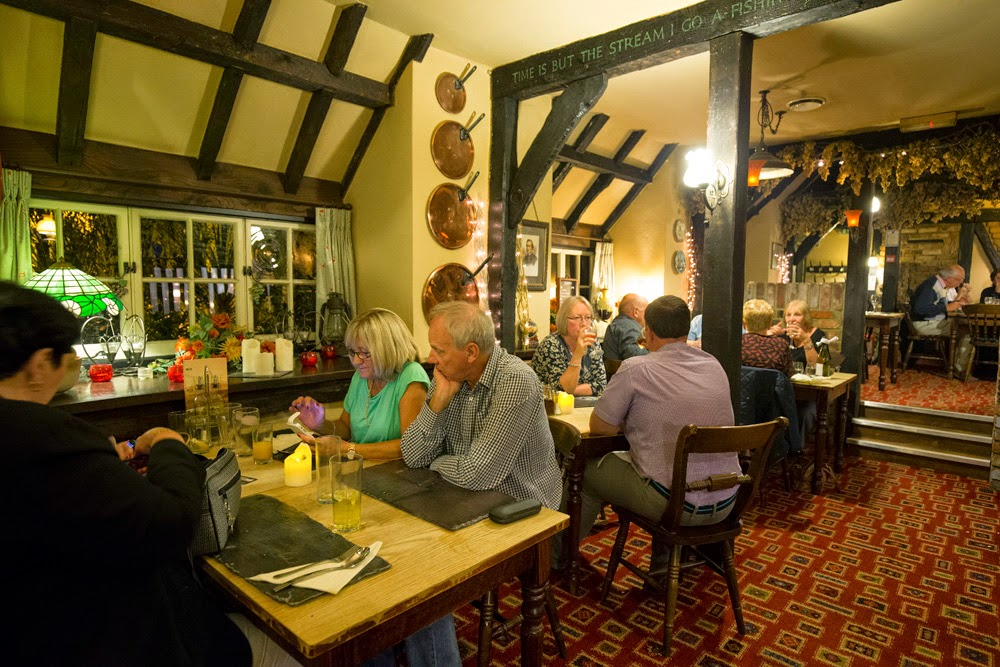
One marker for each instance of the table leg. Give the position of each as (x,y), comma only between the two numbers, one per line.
(883,352)
(533,584)
(819,448)
(574,507)
(840,433)
(893,352)
(951,348)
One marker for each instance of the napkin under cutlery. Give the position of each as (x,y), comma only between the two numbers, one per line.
(331,582)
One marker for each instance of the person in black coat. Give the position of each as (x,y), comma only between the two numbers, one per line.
(94,552)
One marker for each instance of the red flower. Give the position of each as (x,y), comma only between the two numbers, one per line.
(267,346)
(213,333)
(197,346)
(221,321)
(181,345)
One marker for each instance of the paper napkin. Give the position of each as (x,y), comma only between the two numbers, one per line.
(331,582)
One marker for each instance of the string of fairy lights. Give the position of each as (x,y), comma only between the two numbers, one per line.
(693,275)
(480,242)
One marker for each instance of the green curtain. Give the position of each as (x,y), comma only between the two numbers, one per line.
(15,230)
(334,257)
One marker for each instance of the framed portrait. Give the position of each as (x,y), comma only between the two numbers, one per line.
(777,250)
(535,246)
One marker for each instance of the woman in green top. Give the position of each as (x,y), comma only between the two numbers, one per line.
(386,392)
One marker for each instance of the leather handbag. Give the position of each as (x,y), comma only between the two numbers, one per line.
(221,503)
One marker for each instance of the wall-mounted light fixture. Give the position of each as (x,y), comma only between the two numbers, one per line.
(764,166)
(853,218)
(709,176)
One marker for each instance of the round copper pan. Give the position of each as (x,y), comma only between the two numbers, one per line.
(450,219)
(450,96)
(449,282)
(452,154)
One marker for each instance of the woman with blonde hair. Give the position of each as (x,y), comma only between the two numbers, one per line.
(760,349)
(387,390)
(799,330)
(571,357)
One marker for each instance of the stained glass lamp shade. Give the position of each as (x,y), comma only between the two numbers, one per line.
(80,293)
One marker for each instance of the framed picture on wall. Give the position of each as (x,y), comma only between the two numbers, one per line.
(777,250)
(535,246)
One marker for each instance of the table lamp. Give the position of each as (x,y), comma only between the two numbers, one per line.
(81,294)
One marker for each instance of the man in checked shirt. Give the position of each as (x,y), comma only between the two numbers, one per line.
(483,425)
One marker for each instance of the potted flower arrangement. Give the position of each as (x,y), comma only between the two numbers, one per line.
(211,336)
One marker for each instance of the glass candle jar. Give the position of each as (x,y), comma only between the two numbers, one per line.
(101,372)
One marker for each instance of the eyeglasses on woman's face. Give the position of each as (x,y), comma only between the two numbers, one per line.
(580,318)
(361,354)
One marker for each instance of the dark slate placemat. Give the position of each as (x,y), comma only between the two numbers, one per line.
(270,535)
(425,494)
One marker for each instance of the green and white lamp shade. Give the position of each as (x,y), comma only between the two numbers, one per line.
(81,294)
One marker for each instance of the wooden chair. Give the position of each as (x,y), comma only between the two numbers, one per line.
(669,531)
(566,437)
(939,344)
(611,366)
(984,332)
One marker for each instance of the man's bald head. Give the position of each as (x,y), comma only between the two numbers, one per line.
(634,306)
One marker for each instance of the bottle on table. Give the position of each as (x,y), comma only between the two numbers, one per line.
(823,367)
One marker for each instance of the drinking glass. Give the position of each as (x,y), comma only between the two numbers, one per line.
(798,366)
(327,449)
(263,445)
(245,424)
(199,427)
(345,475)
(221,416)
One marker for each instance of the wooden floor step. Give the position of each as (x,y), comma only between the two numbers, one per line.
(945,461)
(935,419)
(922,437)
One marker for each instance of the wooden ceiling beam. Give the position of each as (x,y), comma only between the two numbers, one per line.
(79,37)
(567,111)
(415,50)
(246,32)
(582,143)
(144,25)
(661,39)
(603,165)
(602,181)
(634,191)
(344,35)
(760,201)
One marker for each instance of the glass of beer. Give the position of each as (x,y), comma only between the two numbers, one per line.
(346,486)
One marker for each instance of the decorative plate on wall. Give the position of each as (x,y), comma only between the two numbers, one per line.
(452,149)
(450,218)
(450,94)
(449,282)
(680,261)
(680,229)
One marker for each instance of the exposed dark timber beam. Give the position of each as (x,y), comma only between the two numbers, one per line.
(603,165)
(218,121)
(151,27)
(582,143)
(415,51)
(986,241)
(661,39)
(966,237)
(131,174)
(808,243)
(567,111)
(637,188)
(250,21)
(79,38)
(501,240)
(759,203)
(602,181)
(344,36)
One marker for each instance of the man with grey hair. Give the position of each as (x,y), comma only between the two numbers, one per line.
(621,340)
(932,302)
(483,425)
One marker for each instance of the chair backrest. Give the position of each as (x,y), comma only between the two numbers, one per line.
(984,323)
(756,438)
(611,366)
(765,394)
(566,436)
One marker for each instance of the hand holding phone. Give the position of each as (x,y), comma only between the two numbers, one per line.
(300,428)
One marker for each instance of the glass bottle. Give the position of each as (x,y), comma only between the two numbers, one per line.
(823,367)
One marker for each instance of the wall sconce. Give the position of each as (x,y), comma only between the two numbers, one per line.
(853,218)
(711,177)
(876,205)
(47,227)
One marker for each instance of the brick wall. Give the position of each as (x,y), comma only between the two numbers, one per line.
(825,300)
(925,249)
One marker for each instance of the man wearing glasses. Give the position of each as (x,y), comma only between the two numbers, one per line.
(621,340)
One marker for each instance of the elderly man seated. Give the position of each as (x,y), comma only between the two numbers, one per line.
(932,302)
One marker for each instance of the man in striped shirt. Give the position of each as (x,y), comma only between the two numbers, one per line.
(483,425)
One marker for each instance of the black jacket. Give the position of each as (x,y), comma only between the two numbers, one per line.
(764,395)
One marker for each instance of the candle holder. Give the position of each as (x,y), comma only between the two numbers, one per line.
(101,372)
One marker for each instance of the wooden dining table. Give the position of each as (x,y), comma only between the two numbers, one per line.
(887,325)
(827,392)
(575,461)
(433,572)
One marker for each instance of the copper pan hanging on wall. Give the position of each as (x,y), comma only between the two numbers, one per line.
(449,282)
(450,90)
(452,148)
(451,214)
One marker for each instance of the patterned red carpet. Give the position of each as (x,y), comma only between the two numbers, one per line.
(921,389)
(899,568)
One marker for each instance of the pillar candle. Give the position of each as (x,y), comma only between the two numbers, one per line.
(265,363)
(565,402)
(284,355)
(298,467)
(251,349)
